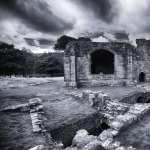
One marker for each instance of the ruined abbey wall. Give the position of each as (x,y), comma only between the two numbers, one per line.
(142,59)
(128,62)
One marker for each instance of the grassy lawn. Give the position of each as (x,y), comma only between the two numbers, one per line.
(59,107)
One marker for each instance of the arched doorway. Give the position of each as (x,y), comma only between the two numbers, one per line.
(142,77)
(102,61)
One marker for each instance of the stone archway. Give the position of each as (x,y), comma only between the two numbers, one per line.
(142,77)
(102,61)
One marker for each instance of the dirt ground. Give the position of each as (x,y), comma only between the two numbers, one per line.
(137,135)
(59,106)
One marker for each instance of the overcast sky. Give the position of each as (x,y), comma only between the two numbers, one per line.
(49,19)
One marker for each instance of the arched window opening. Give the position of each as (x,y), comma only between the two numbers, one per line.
(142,77)
(102,61)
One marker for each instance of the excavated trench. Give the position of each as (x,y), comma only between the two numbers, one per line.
(137,97)
(94,124)
(137,134)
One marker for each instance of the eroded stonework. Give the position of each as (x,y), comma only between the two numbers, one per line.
(89,63)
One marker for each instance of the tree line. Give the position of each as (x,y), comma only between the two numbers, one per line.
(22,62)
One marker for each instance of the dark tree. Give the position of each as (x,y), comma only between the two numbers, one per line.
(63,41)
(49,64)
(25,63)
(11,60)
(84,39)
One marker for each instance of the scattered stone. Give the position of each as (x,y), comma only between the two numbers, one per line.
(82,138)
(82,133)
(131,148)
(39,147)
(121,148)
(127,118)
(71,148)
(37,109)
(105,135)
(107,143)
(116,125)
(115,108)
(36,122)
(91,99)
(95,99)
(94,145)
(139,109)
(17,108)
(35,101)
(59,145)
(114,145)
(113,132)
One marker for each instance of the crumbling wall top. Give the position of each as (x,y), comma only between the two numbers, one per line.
(80,48)
(142,42)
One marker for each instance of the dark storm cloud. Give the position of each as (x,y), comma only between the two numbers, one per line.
(121,36)
(30,41)
(39,42)
(145,23)
(103,9)
(35,14)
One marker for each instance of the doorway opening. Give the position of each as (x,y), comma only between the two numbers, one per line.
(102,61)
(142,77)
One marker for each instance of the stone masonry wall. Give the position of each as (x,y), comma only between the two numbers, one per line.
(77,64)
(70,71)
(142,59)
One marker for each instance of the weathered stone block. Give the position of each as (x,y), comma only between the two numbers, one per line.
(121,148)
(39,147)
(82,138)
(35,101)
(17,108)
(127,118)
(107,143)
(117,125)
(105,135)
(94,145)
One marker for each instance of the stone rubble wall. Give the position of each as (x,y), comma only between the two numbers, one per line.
(70,71)
(77,64)
(36,110)
(37,115)
(17,108)
(119,117)
(135,112)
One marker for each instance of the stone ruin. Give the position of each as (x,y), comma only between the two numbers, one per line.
(89,63)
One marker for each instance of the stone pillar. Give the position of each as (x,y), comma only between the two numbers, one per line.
(97,99)
(119,67)
(130,68)
(70,71)
(82,70)
(67,69)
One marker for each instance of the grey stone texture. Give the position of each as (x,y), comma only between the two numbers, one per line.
(129,62)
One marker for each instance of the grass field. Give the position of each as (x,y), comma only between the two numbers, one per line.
(137,135)
(59,107)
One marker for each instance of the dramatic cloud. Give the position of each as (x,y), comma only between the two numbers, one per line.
(102,9)
(24,22)
(36,14)
(44,43)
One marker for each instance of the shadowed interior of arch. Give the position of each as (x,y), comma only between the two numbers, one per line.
(102,61)
(142,77)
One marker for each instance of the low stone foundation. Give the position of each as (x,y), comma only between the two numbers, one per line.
(119,117)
